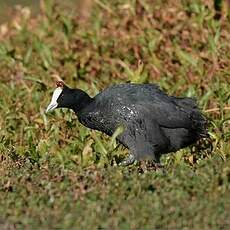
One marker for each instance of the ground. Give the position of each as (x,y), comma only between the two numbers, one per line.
(54,172)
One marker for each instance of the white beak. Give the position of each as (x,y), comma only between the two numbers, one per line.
(51,107)
(53,104)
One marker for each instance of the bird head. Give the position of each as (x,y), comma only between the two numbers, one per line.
(65,97)
(58,98)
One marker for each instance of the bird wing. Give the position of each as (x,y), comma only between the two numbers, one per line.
(166,114)
(129,101)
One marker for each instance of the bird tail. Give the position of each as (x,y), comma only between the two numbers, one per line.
(200,122)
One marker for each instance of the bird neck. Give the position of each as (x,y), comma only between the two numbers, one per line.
(79,100)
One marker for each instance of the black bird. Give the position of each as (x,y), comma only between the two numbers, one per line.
(154,122)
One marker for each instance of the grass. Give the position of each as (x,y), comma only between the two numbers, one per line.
(54,172)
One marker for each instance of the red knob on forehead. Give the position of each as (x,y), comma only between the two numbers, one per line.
(60,84)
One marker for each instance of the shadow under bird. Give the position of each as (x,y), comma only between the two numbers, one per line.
(154,122)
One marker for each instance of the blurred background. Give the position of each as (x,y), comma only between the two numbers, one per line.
(7,8)
(54,172)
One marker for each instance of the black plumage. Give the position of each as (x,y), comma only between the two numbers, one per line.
(154,123)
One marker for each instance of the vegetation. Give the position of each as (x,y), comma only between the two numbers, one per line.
(55,173)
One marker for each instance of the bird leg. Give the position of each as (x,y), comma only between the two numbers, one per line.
(128,160)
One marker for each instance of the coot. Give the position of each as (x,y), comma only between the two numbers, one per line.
(154,122)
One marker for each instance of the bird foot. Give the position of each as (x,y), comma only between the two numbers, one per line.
(157,165)
(149,166)
(128,161)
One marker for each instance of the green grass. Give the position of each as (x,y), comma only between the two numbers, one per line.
(55,173)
